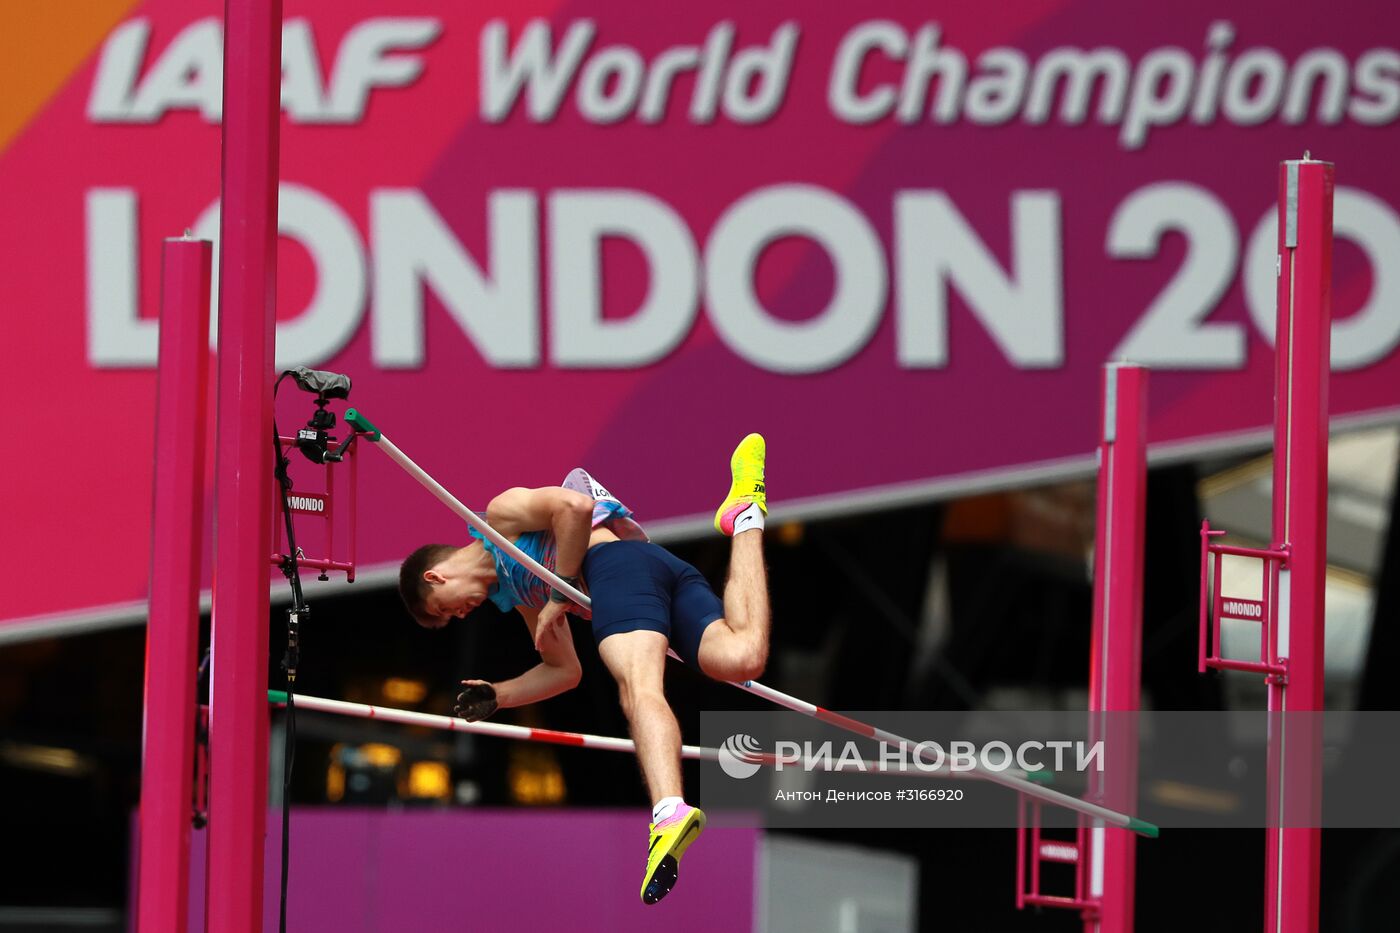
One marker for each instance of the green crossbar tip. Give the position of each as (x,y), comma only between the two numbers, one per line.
(1041,776)
(1142,827)
(277,696)
(362,424)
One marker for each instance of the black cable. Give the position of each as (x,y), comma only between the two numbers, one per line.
(289,661)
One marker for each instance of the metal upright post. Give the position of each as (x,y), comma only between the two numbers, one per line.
(1115,667)
(1300,530)
(243,476)
(1104,854)
(172,631)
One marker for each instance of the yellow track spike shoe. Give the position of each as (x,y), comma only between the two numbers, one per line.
(669,840)
(746,468)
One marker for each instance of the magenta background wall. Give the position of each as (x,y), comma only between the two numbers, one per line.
(359,871)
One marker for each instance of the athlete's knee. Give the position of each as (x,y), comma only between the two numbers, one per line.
(751,662)
(637,699)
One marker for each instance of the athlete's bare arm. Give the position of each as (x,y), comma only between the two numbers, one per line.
(568,514)
(565,513)
(557,671)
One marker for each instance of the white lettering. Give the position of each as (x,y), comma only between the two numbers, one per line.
(117,68)
(1161,91)
(414,247)
(1060,746)
(618,66)
(1080,70)
(189,75)
(1172,332)
(850,759)
(795,795)
(842,94)
(1024,763)
(928,61)
(1059,851)
(1378,77)
(758,78)
(786,753)
(893,758)
(1090,757)
(929,756)
(497,306)
(117,336)
(580,337)
(1330,66)
(996,93)
(303,89)
(838,331)
(1218,40)
(364,61)
(532,65)
(1002,749)
(1254,87)
(936,248)
(705,103)
(664,70)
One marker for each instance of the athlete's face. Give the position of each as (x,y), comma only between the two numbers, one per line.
(452,595)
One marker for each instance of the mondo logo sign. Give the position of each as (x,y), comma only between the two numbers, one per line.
(1242,609)
(308,503)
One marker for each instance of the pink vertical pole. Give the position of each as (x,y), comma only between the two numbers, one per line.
(1300,526)
(1020,851)
(172,632)
(243,475)
(1115,666)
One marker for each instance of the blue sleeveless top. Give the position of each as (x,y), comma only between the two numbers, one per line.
(515,585)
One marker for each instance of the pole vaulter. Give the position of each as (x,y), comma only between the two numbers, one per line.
(371,433)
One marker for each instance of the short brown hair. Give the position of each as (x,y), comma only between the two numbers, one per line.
(413,589)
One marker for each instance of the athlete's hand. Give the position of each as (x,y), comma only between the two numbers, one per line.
(476,702)
(552,625)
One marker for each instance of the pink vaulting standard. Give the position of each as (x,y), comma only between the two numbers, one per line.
(238,725)
(172,637)
(1300,528)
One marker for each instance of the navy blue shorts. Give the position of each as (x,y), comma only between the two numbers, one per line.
(636,585)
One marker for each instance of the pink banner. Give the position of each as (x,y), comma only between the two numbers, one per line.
(899,241)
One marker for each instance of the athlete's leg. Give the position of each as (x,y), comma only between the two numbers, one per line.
(632,586)
(637,661)
(736,646)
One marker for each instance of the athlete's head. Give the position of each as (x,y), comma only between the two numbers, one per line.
(439,581)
